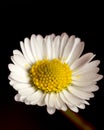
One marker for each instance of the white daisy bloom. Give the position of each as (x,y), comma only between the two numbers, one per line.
(51,71)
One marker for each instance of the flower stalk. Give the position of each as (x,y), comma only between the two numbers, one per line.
(79,122)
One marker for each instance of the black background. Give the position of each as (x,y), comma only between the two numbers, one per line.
(18,21)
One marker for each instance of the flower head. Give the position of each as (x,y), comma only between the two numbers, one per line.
(51,71)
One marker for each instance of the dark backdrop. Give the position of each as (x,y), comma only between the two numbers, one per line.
(18,21)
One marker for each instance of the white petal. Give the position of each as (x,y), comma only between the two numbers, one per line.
(59,103)
(75,52)
(19,86)
(80,94)
(64,107)
(56,47)
(64,39)
(82,61)
(27,102)
(94,63)
(86,77)
(52,99)
(35,97)
(27,91)
(17,52)
(20,78)
(52,36)
(12,82)
(86,70)
(22,98)
(48,43)
(81,106)
(46,99)
(41,101)
(91,88)
(83,101)
(18,97)
(28,50)
(64,99)
(74,108)
(71,98)
(98,78)
(35,47)
(86,102)
(89,67)
(24,52)
(17,69)
(40,40)
(12,67)
(51,110)
(20,60)
(84,83)
(68,47)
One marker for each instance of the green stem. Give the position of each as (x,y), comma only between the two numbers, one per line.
(78,120)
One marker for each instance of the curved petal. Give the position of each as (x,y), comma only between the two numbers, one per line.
(48,45)
(27,91)
(51,110)
(12,82)
(76,51)
(88,67)
(91,88)
(24,52)
(41,102)
(68,47)
(52,99)
(74,108)
(85,70)
(56,47)
(86,102)
(47,99)
(18,86)
(82,61)
(81,106)
(19,98)
(59,103)
(86,77)
(64,99)
(64,39)
(35,97)
(28,50)
(17,52)
(84,83)
(36,48)
(20,60)
(17,69)
(80,94)
(40,40)
(71,98)
(20,78)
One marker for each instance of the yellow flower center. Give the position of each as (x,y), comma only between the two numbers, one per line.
(50,75)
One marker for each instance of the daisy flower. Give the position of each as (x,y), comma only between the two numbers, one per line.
(51,71)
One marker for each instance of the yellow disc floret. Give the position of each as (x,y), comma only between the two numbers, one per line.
(50,75)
